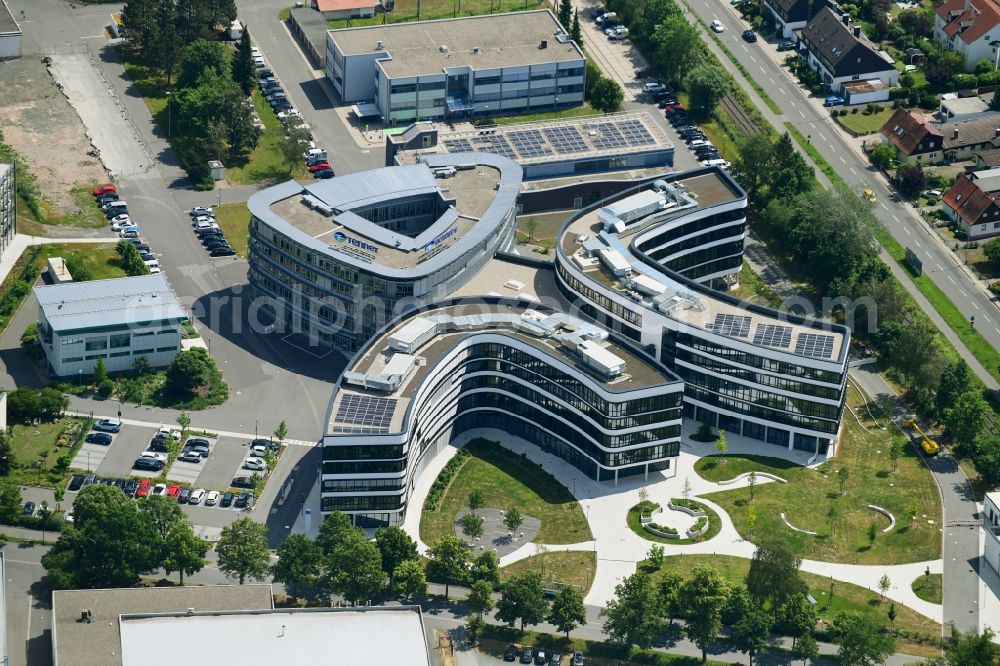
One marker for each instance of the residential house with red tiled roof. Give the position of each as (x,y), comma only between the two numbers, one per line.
(922,141)
(972,202)
(969,27)
(346,9)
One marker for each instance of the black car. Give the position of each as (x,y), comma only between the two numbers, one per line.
(540,657)
(264,73)
(324,174)
(526,655)
(749,36)
(120,484)
(216,234)
(151,464)
(242,500)
(106,198)
(555,659)
(510,654)
(222,252)
(282,105)
(158,443)
(101,438)
(75,483)
(679,119)
(107,482)
(184,495)
(786,45)
(130,487)
(242,482)
(226,500)
(29,509)
(264,442)
(216,244)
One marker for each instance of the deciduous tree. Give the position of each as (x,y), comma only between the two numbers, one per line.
(486,566)
(862,641)
(354,567)
(242,550)
(635,615)
(512,519)
(774,575)
(480,599)
(678,47)
(299,565)
(476,500)
(449,562)
(567,612)
(522,600)
(965,419)
(706,85)
(396,547)
(705,592)
(750,631)
(472,526)
(410,580)
(184,551)
(606,95)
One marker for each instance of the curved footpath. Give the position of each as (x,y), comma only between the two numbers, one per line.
(619,549)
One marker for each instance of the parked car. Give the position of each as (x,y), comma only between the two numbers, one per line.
(510,654)
(786,45)
(124,217)
(143,489)
(108,425)
(540,657)
(105,199)
(833,100)
(104,189)
(75,483)
(255,464)
(653,87)
(150,464)
(183,495)
(577,658)
(319,166)
(200,210)
(242,482)
(717,26)
(222,252)
(555,659)
(260,441)
(173,491)
(120,484)
(227,500)
(243,500)
(102,438)
(130,487)
(211,498)
(258,450)
(749,36)
(196,496)
(28,510)
(526,655)
(164,431)
(159,489)
(190,457)
(324,174)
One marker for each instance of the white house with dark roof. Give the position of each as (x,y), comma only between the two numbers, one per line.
(116,320)
(840,52)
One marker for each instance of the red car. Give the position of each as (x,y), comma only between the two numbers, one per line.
(103,189)
(673,107)
(319,167)
(173,491)
(143,489)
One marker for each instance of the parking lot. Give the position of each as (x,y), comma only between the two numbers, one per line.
(224,460)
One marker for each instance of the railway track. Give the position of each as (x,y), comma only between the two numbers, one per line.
(739,117)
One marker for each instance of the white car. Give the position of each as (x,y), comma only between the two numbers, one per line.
(717,26)
(211,498)
(118,226)
(153,455)
(121,218)
(255,464)
(654,88)
(196,496)
(159,489)
(151,264)
(199,210)
(203,218)
(153,270)
(258,450)
(169,433)
(282,115)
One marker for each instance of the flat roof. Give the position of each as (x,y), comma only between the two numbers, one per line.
(482,192)
(543,142)
(98,642)
(125,301)
(503,40)
(701,188)
(387,635)
(7,22)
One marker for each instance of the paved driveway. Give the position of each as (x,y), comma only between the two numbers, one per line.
(128,444)
(226,456)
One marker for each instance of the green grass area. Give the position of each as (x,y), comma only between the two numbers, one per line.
(37,450)
(150,85)
(720,139)
(87,215)
(266,164)
(714,526)
(406,10)
(235,222)
(596,653)
(285,14)
(561,114)
(543,228)
(928,588)
(810,494)
(100,258)
(568,567)
(861,124)
(507,479)
(752,288)
(846,597)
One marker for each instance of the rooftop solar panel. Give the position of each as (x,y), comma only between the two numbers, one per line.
(734,326)
(365,410)
(565,139)
(772,335)
(814,345)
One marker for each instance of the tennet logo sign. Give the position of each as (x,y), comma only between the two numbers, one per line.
(341,237)
(440,239)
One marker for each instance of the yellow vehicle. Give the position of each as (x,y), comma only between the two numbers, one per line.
(869,194)
(929,446)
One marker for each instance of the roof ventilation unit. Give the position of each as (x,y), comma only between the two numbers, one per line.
(378,45)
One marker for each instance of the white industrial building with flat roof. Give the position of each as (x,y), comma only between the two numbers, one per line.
(116,320)
(456,68)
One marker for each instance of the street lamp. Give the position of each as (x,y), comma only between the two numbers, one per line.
(255,422)
(168,114)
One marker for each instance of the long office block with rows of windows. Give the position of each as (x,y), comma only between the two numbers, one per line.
(507,364)
(644,265)
(457,68)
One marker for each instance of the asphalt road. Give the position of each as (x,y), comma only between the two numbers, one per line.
(811,119)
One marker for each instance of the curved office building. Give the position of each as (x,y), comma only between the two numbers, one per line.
(556,380)
(334,260)
(641,266)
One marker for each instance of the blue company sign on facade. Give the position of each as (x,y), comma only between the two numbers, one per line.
(341,237)
(440,239)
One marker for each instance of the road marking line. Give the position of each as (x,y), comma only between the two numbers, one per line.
(782,89)
(761,68)
(996,329)
(895,218)
(856,173)
(752,58)
(974,304)
(800,113)
(917,243)
(842,159)
(939,267)
(987,319)
(773,82)
(950,279)
(909,234)
(962,291)
(823,137)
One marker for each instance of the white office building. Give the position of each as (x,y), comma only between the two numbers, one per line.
(456,68)
(115,320)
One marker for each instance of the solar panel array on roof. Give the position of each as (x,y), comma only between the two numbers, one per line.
(814,345)
(635,133)
(495,143)
(366,410)
(565,139)
(733,326)
(458,145)
(529,143)
(773,335)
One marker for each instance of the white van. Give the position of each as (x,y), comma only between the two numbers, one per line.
(314,153)
(722,164)
(118,206)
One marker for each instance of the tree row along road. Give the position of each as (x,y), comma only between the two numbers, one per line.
(940,265)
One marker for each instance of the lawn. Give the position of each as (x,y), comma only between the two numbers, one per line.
(846,597)
(235,222)
(266,163)
(566,567)
(861,124)
(507,479)
(714,526)
(543,228)
(928,588)
(810,494)
(720,139)
(406,10)
(45,444)
(100,258)
(561,114)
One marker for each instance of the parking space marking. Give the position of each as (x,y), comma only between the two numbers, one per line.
(184,472)
(90,456)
